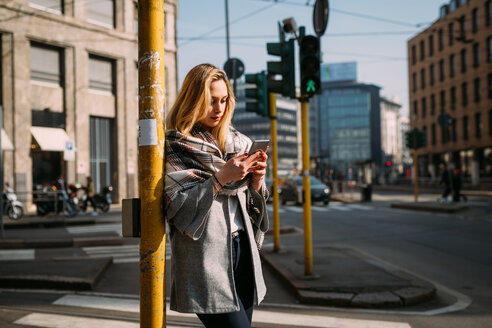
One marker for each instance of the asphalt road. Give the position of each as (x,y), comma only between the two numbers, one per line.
(454,251)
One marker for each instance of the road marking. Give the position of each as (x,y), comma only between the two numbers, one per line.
(116,227)
(120,254)
(270,208)
(260,316)
(17,254)
(320,209)
(341,207)
(63,321)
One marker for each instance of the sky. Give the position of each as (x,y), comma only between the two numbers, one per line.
(373,33)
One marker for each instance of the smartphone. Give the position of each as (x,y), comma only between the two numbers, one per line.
(259,145)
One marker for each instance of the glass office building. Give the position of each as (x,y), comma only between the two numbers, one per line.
(345,122)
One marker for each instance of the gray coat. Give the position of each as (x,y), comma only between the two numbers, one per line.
(201,262)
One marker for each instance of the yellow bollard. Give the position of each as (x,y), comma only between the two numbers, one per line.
(151,162)
(273,133)
(306,186)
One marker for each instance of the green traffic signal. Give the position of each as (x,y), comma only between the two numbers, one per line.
(309,56)
(285,68)
(258,93)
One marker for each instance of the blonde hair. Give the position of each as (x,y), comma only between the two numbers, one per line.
(194,100)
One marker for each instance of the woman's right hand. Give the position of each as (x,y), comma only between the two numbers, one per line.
(237,168)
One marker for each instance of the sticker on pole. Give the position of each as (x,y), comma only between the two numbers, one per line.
(147,132)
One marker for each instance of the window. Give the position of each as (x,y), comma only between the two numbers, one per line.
(440,35)
(465,127)
(422,50)
(476,90)
(462,27)
(101,74)
(46,63)
(422,78)
(102,152)
(453,98)
(490,122)
(415,108)
(475,20)
(414,81)
(433,133)
(464,94)
(431,74)
(101,12)
(463,60)
(433,104)
(489,87)
(431,45)
(424,107)
(443,101)
(451,33)
(489,49)
(414,55)
(478,125)
(451,65)
(53,6)
(488,12)
(444,134)
(441,70)
(453,130)
(476,55)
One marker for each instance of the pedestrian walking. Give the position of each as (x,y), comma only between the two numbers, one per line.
(446,181)
(215,198)
(457,184)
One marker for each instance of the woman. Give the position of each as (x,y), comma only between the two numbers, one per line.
(215,205)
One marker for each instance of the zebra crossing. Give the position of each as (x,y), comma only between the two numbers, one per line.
(116,227)
(334,206)
(120,254)
(261,317)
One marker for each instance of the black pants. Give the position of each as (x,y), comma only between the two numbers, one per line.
(243,278)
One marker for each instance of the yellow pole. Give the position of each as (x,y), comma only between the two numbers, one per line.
(306,186)
(415,176)
(273,133)
(151,162)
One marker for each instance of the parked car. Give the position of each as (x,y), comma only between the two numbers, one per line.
(291,191)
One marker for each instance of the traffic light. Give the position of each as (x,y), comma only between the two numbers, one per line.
(421,139)
(388,163)
(285,68)
(409,138)
(259,93)
(309,57)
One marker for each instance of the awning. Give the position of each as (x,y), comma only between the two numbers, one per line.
(50,139)
(6,143)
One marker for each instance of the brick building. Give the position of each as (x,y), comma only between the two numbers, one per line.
(450,79)
(69,73)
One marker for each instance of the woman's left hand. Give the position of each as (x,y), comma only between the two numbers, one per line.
(259,171)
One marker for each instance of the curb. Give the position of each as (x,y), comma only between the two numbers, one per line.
(414,290)
(430,207)
(58,243)
(62,274)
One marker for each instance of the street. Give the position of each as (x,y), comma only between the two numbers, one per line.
(453,251)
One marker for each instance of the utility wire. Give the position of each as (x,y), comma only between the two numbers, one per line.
(381,19)
(223,26)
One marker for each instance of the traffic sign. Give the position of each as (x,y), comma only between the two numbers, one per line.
(321,14)
(234,68)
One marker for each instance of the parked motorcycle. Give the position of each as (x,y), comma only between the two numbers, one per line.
(53,198)
(11,206)
(102,201)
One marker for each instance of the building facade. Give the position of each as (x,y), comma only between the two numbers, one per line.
(450,79)
(258,127)
(69,91)
(391,142)
(345,127)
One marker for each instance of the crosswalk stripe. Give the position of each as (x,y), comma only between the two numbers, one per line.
(120,254)
(260,316)
(320,209)
(360,207)
(95,228)
(63,321)
(340,207)
(17,254)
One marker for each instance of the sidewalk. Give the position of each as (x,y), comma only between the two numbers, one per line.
(345,277)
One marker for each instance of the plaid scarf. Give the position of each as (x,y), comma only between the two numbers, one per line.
(193,159)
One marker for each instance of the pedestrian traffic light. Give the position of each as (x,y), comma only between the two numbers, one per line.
(259,93)
(388,163)
(409,138)
(285,68)
(421,139)
(309,56)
